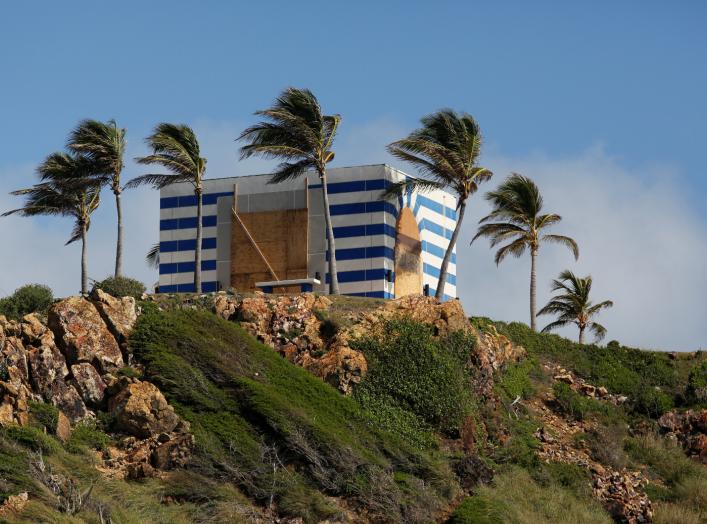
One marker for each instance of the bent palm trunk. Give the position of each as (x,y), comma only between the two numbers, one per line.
(581,335)
(119,243)
(333,277)
(439,294)
(199,233)
(84,261)
(533,298)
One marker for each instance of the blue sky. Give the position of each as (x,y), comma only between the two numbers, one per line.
(620,85)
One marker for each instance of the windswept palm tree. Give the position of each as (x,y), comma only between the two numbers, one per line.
(516,217)
(295,131)
(104,144)
(572,305)
(445,151)
(176,148)
(67,189)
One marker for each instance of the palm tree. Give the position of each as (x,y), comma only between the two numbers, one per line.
(104,144)
(516,217)
(67,189)
(573,305)
(445,150)
(176,148)
(295,131)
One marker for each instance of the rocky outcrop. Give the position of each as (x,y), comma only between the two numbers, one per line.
(69,361)
(13,505)
(560,374)
(83,336)
(689,429)
(141,410)
(119,314)
(296,326)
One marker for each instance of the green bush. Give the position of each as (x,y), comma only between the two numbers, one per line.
(32,438)
(45,415)
(32,298)
(696,390)
(578,406)
(652,402)
(421,374)
(121,287)
(515,381)
(87,435)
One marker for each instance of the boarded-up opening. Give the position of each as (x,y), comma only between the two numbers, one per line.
(281,237)
(408,255)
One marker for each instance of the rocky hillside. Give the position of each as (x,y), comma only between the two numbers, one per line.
(304,408)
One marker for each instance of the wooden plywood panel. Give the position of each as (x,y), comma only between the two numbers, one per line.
(281,237)
(408,255)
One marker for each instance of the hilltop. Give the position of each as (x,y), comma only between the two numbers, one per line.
(305,408)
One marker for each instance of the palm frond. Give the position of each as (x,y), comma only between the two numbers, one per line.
(564,241)
(409,185)
(515,248)
(290,171)
(153,256)
(598,330)
(157,180)
(554,325)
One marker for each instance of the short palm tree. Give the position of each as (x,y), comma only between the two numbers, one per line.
(175,147)
(516,217)
(295,131)
(67,189)
(445,151)
(104,144)
(572,305)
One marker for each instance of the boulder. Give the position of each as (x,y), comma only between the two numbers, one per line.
(47,365)
(13,505)
(341,366)
(34,332)
(7,413)
(83,336)
(140,409)
(67,399)
(14,357)
(88,383)
(63,427)
(564,377)
(172,451)
(119,314)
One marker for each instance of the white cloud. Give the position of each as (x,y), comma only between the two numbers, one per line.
(638,237)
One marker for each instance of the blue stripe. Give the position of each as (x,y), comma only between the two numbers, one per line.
(363,207)
(190,200)
(434,272)
(170,224)
(438,208)
(371,294)
(361,275)
(354,186)
(171,246)
(356,253)
(206,287)
(364,231)
(435,228)
(186,267)
(437,251)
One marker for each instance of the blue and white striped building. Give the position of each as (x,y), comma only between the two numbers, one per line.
(366,227)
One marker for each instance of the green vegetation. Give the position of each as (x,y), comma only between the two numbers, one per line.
(445,150)
(652,380)
(412,370)
(44,415)
(682,490)
(515,497)
(274,430)
(121,287)
(86,436)
(516,219)
(32,298)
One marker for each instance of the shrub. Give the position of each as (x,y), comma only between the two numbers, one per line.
(32,298)
(606,445)
(45,415)
(650,401)
(121,287)
(421,374)
(697,384)
(87,435)
(32,438)
(515,380)
(578,406)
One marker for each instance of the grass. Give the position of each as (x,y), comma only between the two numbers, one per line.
(515,497)
(271,428)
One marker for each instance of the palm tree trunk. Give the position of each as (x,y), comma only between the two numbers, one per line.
(84,261)
(533,292)
(333,277)
(119,244)
(581,335)
(199,233)
(442,281)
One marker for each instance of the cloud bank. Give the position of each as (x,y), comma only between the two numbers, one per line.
(640,240)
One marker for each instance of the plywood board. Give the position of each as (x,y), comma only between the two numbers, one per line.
(408,255)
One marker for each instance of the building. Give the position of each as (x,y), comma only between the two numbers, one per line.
(276,233)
